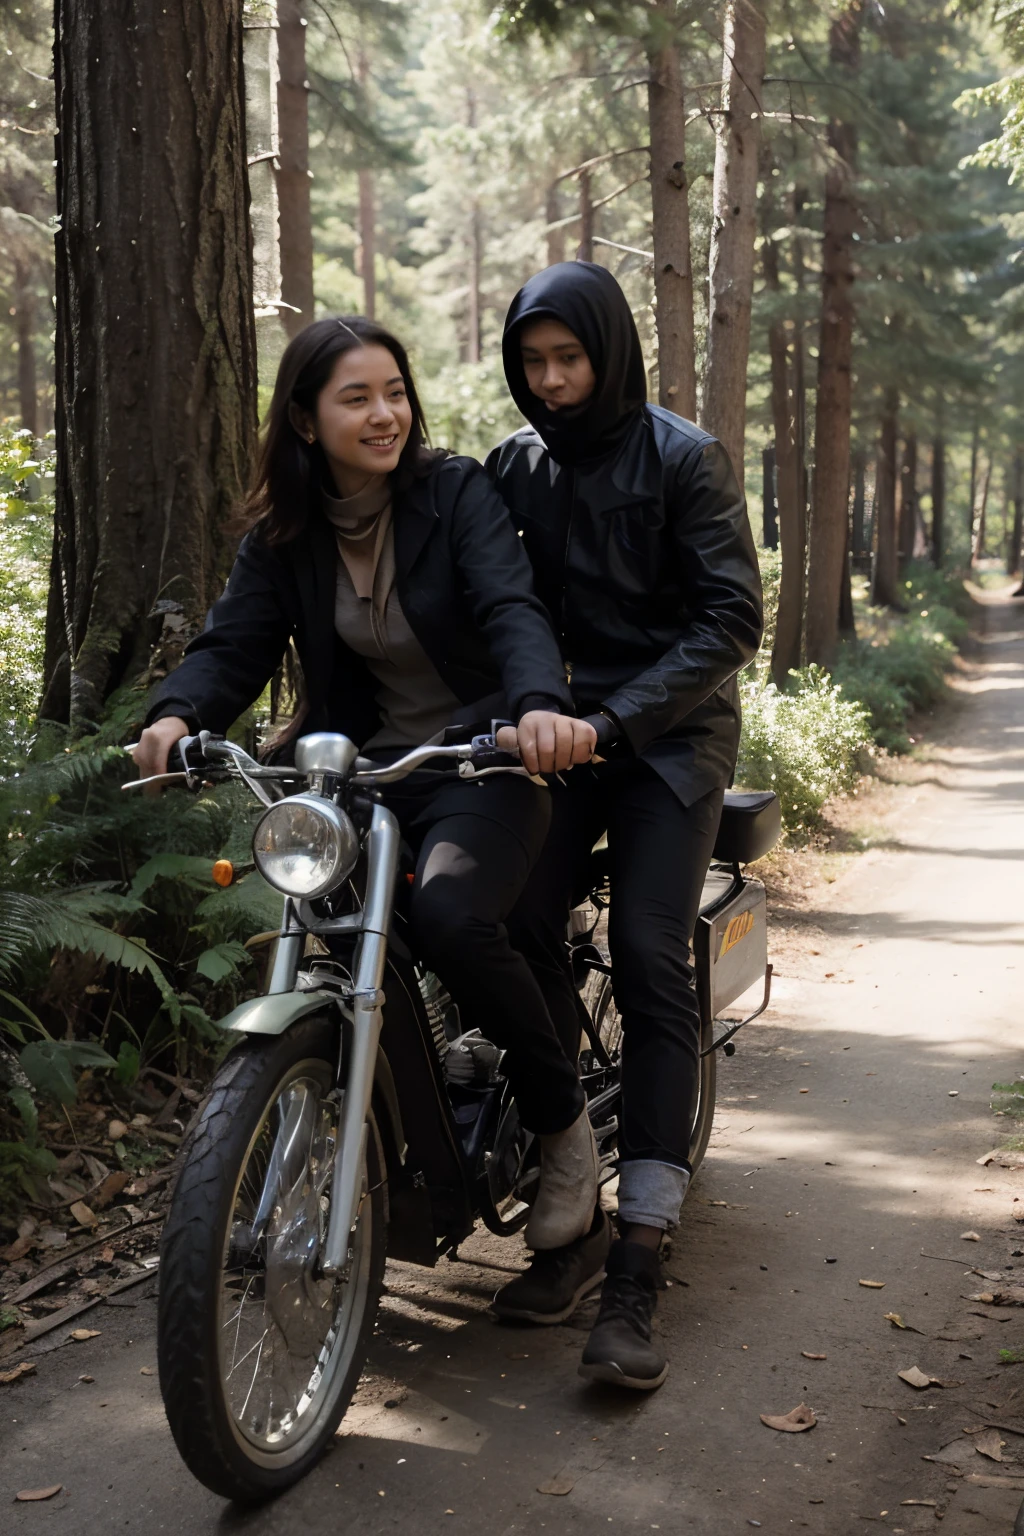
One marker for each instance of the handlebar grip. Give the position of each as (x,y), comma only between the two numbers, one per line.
(490,757)
(191,750)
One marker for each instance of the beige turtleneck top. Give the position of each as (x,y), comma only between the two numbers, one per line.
(414,701)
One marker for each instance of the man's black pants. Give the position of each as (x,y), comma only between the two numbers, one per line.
(659,851)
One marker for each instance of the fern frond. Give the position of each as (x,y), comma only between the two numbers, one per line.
(64,920)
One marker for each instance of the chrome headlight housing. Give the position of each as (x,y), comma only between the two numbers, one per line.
(304,846)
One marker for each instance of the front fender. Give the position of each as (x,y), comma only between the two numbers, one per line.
(273,1014)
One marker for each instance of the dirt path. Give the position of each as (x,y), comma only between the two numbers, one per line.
(850,1123)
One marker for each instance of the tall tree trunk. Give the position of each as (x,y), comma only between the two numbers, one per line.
(473,314)
(734,226)
(800,200)
(367,211)
(585,249)
(788,473)
(847,622)
(25,325)
(368,241)
(555,237)
(978,551)
(972,509)
(908,500)
(857,544)
(829,499)
(884,591)
(938,500)
(1013,563)
(769,505)
(156,347)
(475,254)
(293,167)
(261,74)
(670,210)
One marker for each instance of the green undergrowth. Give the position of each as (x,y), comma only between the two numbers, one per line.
(117,949)
(814,739)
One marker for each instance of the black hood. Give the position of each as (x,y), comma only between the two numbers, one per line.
(587,299)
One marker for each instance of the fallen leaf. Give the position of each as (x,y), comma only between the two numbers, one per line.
(82,1214)
(926,1503)
(80,1334)
(808,1356)
(899,1322)
(970,1237)
(18,1249)
(26,1368)
(556,1485)
(148,1370)
(797,1419)
(1009,1296)
(915,1377)
(87,1379)
(958,1453)
(30,1495)
(987,1274)
(990,1480)
(112,1185)
(990,1445)
(872,1285)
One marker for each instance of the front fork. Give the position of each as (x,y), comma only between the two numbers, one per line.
(367,1000)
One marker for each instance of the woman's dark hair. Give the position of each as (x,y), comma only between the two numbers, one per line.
(291,471)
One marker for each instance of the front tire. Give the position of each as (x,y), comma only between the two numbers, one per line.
(259,1355)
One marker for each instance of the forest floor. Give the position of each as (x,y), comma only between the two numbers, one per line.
(847,1148)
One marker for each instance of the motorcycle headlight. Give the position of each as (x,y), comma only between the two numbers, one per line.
(304,846)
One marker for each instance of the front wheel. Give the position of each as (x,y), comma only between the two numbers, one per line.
(259,1353)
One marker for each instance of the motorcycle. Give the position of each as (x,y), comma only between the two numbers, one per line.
(355,1119)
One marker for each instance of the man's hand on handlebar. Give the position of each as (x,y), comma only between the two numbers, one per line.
(549,743)
(153,746)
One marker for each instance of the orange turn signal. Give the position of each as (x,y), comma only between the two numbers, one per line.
(223,872)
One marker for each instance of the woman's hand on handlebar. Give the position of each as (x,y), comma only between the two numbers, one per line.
(549,743)
(151,751)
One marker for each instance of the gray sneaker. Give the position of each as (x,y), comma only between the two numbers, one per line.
(619,1349)
(557,1280)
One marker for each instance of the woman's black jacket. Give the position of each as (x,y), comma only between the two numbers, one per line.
(646,564)
(464,583)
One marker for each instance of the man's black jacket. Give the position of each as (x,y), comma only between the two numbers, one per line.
(646,564)
(464,583)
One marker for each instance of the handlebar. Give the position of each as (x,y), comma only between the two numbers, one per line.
(203,753)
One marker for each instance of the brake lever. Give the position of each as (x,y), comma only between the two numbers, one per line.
(159,778)
(488,758)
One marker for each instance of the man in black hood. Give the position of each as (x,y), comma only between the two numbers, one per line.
(642,554)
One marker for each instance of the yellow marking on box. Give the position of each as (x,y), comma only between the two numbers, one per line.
(738,929)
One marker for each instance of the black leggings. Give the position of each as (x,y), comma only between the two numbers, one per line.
(475,845)
(659,851)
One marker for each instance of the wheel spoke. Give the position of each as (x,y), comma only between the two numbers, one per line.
(293,1326)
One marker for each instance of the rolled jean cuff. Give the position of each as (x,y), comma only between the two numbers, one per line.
(651,1194)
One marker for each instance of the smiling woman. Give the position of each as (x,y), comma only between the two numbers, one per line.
(398,574)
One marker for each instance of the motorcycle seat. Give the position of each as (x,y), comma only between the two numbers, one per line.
(750,826)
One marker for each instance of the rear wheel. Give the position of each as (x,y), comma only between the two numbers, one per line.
(259,1352)
(600,1002)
